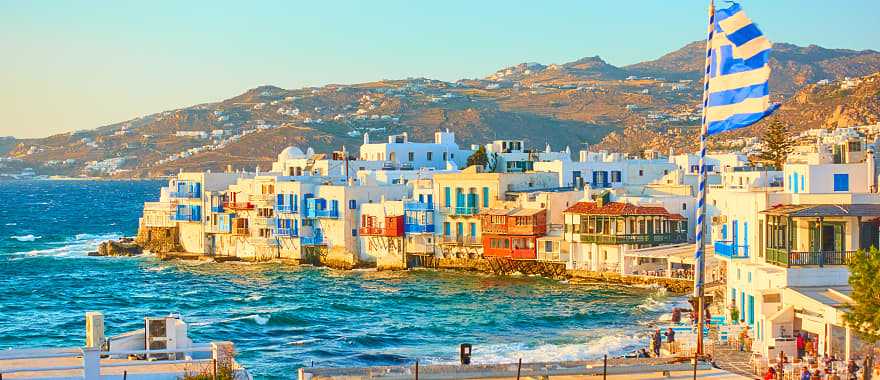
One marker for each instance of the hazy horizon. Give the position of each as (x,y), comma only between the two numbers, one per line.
(73,67)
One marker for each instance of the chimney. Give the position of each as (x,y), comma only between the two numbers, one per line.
(366,137)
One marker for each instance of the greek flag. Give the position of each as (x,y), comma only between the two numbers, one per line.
(737,91)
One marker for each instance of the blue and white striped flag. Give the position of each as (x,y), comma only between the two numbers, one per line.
(738,93)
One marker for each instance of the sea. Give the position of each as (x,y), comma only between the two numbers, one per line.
(282,317)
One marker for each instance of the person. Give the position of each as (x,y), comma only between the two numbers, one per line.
(656,342)
(852,369)
(770,374)
(670,338)
(743,338)
(676,315)
(643,353)
(805,373)
(801,344)
(817,375)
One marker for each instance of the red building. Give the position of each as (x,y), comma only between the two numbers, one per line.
(389,226)
(512,233)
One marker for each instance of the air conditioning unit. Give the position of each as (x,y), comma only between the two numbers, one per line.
(164,333)
(719,219)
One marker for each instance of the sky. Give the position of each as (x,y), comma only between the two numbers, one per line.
(69,65)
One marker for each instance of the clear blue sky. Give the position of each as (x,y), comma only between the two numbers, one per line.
(70,65)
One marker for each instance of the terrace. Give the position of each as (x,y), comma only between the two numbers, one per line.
(731,250)
(820,235)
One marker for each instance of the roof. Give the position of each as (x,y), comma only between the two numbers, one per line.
(512,212)
(817,210)
(618,208)
(833,296)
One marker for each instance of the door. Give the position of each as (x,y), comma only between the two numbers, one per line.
(751,310)
(459,229)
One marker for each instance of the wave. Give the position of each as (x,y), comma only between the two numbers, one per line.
(28,237)
(79,245)
(612,345)
(302,342)
(259,319)
(11,224)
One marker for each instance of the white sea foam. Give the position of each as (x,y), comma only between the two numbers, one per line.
(254,297)
(302,342)
(28,237)
(79,245)
(11,224)
(589,348)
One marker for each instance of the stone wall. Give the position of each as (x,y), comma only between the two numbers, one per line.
(675,285)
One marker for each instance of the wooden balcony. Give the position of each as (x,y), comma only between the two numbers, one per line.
(238,205)
(668,238)
(788,259)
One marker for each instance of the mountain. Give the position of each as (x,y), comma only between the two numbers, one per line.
(651,104)
(793,66)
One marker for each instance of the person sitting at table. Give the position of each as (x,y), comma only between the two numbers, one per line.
(770,374)
(800,344)
(852,370)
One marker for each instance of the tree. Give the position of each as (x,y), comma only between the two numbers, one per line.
(864,315)
(776,144)
(479,157)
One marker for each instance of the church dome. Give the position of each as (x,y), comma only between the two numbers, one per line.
(290,152)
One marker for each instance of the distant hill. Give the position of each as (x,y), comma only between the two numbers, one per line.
(793,66)
(651,104)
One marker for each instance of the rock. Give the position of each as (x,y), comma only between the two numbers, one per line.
(119,248)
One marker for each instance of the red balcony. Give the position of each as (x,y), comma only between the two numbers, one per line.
(517,248)
(238,205)
(522,222)
(393,226)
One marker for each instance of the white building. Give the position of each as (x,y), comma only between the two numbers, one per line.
(399,152)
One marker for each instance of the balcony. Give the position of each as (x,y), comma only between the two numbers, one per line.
(318,239)
(729,250)
(238,205)
(511,229)
(371,231)
(285,232)
(414,228)
(217,208)
(464,210)
(418,206)
(178,217)
(783,258)
(326,213)
(656,239)
(241,231)
(186,194)
(285,209)
(459,240)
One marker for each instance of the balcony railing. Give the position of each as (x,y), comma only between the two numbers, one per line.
(312,240)
(185,194)
(460,240)
(418,206)
(287,209)
(418,228)
(728,249)
(371,230)
(241,231)
(185,218)
(784,258)
(216,208)
(238,205)
(285,232)
(668,238)
(463,210)
(504,229)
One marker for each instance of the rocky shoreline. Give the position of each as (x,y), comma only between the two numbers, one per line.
(162,242)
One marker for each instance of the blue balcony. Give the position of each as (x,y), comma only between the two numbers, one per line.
(285,232)
(180,217)
(418,206)
(285,208)
(317,239)
(465,210)
(326,213)
(418,228)
(217,208)
(729,250)
(186,194)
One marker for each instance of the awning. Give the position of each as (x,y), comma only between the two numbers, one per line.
(829,210)
(677,253)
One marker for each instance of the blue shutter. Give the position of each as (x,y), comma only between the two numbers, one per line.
(724,232)
(448,194)
(334,204)
(735,228)
(485,197)
(279,199)
(294,200)
(473,229)
(746,240)
(430,199)
(841,182)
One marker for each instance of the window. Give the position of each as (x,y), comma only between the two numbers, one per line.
(641,173)
(354,232)
(841,182)
(429,156)
(615,176)
(411,156)
(446,229)
(444,156)
(352,204)
(485,197)
(548,246)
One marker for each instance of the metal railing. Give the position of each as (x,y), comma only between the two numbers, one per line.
(418,206)
(782,257)
(730,250)
(371,230)
(459,240)
(238,205)
(285,208)
(663,238)
(185,217)
(241,231)
(285,232)
(185,194)
(317,239)
(416,228)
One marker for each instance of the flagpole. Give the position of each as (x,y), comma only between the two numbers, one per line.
(700,249)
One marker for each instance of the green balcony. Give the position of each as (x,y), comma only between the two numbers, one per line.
(650,239)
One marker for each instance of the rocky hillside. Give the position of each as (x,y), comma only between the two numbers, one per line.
(650,104)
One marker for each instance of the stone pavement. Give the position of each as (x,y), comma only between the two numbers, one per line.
(732,360)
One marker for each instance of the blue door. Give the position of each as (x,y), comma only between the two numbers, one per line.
(473,229)
(751,310)
(742,306)
(459,229)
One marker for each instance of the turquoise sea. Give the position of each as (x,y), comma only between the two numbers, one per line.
(282,317)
